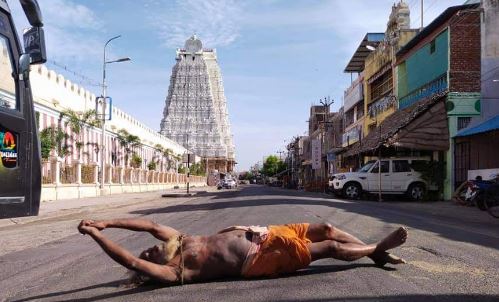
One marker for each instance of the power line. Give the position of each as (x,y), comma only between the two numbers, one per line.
(83,79)
(426,10)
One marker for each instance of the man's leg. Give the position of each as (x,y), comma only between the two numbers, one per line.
(354,251)
(319,232)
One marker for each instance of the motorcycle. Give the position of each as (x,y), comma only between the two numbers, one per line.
(484,194)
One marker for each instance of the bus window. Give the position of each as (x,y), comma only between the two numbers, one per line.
(7,84)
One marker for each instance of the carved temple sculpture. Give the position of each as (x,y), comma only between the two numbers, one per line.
(195,113)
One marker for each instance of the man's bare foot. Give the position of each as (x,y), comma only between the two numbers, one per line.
(395,239)
(381,258)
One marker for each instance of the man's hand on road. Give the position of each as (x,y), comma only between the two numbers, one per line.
(84,228)
(98,224)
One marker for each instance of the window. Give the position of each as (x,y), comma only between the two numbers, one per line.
(360,110)
(7,83)
(366,167)
(432,46)
(401,166)
(385,167)
(382,86)
(463,122)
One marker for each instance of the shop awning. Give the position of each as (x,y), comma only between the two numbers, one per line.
(422,126)
(489,125)
(356,63)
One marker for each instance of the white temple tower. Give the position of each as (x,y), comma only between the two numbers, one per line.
(195,113)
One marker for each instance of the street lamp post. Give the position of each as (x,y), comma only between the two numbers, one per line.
(103,129)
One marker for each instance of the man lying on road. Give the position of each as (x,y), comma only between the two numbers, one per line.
(237,251)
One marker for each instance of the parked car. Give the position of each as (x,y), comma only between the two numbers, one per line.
(397,177)
(229,183)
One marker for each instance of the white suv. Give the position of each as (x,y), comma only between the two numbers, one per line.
(397,177)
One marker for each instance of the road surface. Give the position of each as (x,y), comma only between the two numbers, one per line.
(452,251)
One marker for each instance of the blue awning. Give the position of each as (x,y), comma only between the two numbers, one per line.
(488,125)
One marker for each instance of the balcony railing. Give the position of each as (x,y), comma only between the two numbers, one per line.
(381,105)
(428,89)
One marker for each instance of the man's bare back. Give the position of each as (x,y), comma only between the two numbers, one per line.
(233,252)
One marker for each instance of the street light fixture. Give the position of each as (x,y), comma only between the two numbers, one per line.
(119,60)
(103,129)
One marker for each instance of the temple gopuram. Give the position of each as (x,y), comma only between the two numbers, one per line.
(195,113)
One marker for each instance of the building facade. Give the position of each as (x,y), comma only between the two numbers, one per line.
(444,59)
(380,87)
(195,114)
(473,154)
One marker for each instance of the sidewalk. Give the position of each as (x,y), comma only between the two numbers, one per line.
(63,207)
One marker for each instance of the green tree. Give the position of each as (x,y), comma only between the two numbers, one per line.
(158,155)
(249,176)
(76,121)
(136,161)
(273,165)
(52,138)
(151,165)
(197,169)
(281,166)
(128,142)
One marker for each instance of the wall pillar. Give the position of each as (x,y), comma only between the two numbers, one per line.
(122,174)
(109,172)
(78,171)
(96,173)
(56,162)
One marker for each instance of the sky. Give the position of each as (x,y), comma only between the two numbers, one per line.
(278,57)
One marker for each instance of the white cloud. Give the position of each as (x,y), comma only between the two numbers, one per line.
(70,29)
(66,14)
(216,22)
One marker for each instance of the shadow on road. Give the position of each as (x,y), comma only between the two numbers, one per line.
(448,226)
(57,296)
(411,298)
(120,291)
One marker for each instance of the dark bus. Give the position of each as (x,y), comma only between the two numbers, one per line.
(20,165)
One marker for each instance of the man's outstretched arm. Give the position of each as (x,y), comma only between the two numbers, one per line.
(122,256)
(159,231)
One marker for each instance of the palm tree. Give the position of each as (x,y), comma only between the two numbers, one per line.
(167,153)
(129,142)
(76,122)
(158,155)
(51,138)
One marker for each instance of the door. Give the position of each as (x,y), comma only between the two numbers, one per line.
(401,175)
(14,193)
(373,177)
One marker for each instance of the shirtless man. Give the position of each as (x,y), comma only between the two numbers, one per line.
(238,251)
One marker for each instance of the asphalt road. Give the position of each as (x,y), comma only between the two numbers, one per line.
(452,252)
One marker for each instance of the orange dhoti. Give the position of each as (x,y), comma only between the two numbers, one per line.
(283,249)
